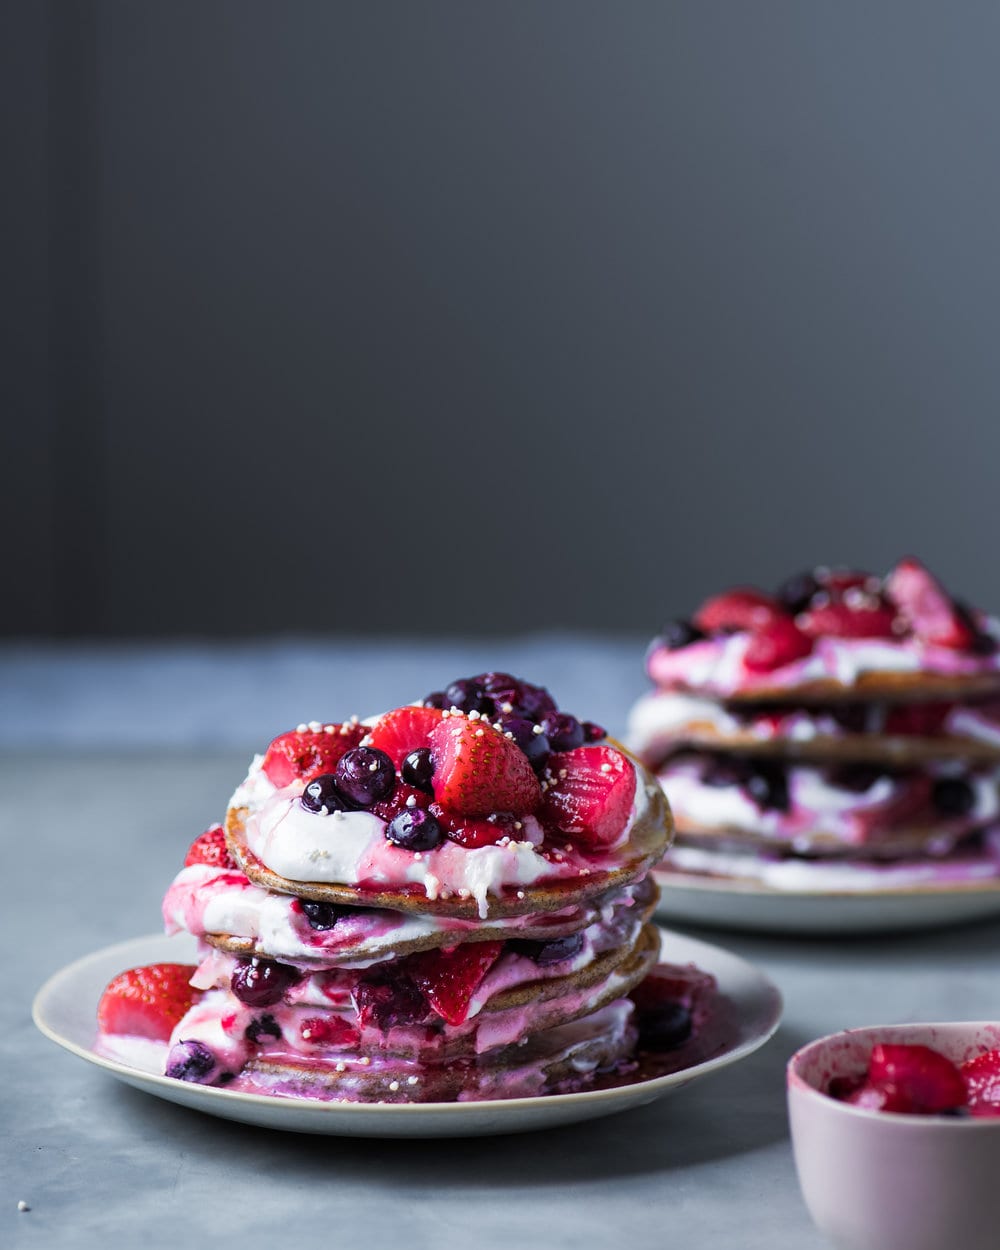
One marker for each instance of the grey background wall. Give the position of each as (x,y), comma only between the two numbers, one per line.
(475,317)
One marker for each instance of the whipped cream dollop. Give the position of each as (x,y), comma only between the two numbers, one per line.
(350,848)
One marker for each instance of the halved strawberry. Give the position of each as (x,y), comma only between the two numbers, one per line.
(589,794)
(403,730)
(147,1001)
(841,619)
(927,607)
(399,800)
(478,771)
(449,978)
(915,1078)
(472,832)
(210,848)
(742,608)
(982,1080)
(780,642)
(307,753)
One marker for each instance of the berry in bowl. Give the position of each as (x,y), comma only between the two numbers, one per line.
(896,1135)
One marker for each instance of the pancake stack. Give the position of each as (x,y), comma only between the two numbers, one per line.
(842,733)
(449,901)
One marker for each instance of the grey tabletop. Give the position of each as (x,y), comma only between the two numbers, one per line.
(112,761)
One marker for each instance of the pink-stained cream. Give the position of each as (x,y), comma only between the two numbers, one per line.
(817,806)
(350,848)
(716,666)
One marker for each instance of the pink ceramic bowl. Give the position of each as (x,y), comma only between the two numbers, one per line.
(875,1180)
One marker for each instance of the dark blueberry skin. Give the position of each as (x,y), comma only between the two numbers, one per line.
(261,982)
(415,830)
(436,698)
(365,775)
(592,732)
(564,732)
(952,796)
(261,1027)
(769,788)
(797,591)
(387,998)
(468,696)
(190,1061)
(857,778)
(677,634)
(418,770)
(536,746)
(665,1027)
(544,953)
(322,793)
(323,916)
(726,770)
(851,716)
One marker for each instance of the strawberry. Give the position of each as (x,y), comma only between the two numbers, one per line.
(210,848)
(147,1001)
(403,730)
(841,619)
(589,795)
(836,581)
(328,1031)
(398,801)
(924,720)
(742,608)
(308,753)
(449,978)
(471,833)
(982,1080)
(927,608)
(915,1079)
(780,642)
(478,771)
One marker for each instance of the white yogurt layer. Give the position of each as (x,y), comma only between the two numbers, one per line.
(350,848)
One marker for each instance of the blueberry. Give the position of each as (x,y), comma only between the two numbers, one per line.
(414,830)
(522,698)
(190,1061)
(856,778)
(365,775)
(322,916)
(261,1027)
(436,698)
(563,731)
(726,770)
(386,998)
(768,787)
(797,591)
(851,716)
(553,952)
(664,1027)
(322,793)
(261,982)
(953,797)
(534,744)
(592,732)
(418,770)
(468,696)
(677,634)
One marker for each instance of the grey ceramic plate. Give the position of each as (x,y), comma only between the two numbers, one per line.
(65,1010)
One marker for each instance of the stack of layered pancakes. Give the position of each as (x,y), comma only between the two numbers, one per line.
(450,901)
(842,733)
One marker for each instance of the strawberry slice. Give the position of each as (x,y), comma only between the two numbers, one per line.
(842,619)
(741,608)
(927,607)
(147,1001)
(478,771)
(399,800)
(328,1031)
(915,1078)
(778,643)
(308,753)
(982,1080)
(403,730)
(449,978)
(589,795)
(470,833)
(210,848)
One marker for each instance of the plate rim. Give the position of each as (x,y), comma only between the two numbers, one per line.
(770,999)
(675,878)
